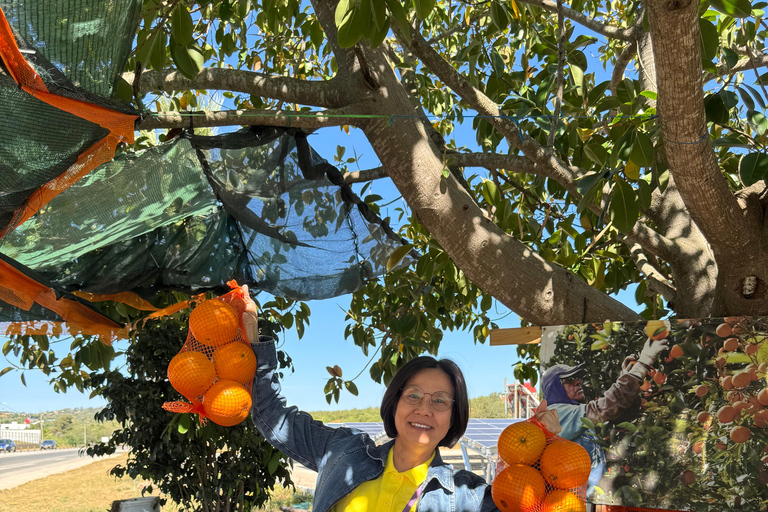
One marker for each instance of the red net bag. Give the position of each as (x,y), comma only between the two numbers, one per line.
(538,471)
(214,369)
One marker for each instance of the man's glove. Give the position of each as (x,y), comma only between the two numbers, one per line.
(548,417)
(648,355)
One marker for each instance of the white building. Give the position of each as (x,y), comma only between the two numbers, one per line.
(19,433)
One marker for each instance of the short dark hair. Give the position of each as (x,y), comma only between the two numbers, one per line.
(459,411)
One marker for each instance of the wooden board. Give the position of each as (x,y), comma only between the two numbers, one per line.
(516,336)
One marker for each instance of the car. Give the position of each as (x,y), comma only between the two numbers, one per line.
(48,444)
(7,445)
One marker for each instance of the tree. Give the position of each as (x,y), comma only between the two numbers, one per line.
(205,468)
(585,186)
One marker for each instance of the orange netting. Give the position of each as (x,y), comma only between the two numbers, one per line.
(538,471)
(214,369)
(22,291)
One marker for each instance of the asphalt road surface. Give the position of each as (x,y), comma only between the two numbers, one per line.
(22,467)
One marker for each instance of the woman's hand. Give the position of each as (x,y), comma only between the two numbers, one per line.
(250,317)
(548,417)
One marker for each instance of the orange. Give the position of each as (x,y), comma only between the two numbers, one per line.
(518,488)
(191,373)
(235,361)
(562,501)
(214,323)
(565,464)
(740,434)
(227,403)
(521,443)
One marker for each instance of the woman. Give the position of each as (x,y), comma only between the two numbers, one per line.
(424,407)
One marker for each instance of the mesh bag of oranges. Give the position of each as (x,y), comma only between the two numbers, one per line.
(538,471)
(214,369)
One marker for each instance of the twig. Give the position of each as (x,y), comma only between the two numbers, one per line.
(560,66)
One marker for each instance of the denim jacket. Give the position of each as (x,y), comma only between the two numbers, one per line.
(344,458)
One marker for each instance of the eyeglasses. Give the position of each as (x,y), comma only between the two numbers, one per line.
(440,400)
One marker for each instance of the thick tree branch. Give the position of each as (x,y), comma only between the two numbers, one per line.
(656,281)
(624,58)
(624,34)
(692,161)
(247,117)
(326,94)
(511,163)
(366,175)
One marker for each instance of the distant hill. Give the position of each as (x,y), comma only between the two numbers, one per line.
(67,426)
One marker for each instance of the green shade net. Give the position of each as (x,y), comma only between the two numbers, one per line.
(258,205)
(30,154)
(86,41)
(193,213)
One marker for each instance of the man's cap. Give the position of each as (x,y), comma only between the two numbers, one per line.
(570,372)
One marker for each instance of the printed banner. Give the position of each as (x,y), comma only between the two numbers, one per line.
(673,413)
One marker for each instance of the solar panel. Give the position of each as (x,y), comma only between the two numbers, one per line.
(373,429)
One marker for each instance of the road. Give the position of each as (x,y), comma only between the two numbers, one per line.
(22,467)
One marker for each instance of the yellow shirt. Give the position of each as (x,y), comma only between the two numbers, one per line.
(391,492)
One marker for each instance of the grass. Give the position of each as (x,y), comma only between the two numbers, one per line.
(92,489)
(86,489)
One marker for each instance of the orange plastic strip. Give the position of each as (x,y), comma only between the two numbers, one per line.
(79,318)
(17,65)
(119,124)
(127,298)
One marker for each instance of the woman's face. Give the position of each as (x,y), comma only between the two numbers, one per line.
(421,426)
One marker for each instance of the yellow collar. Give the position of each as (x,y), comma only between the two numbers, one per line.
(414,475)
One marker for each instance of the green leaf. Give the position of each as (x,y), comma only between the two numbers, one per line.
(7,347)
(351,28)
(753,167)
(735,8)
(624,210)
(587,423)
(730,57)
(491,193)
(274,462)
(152,53)
(423,7)
(597,153)
(627,426)
(398,13)
(715,108)
(185,423)
(181,25)
(642,150)
(343,10)
(577,73)
(189,58)
(499,16)
(758,122)
(351,387)
(5,370)
(709,38)
(397,256)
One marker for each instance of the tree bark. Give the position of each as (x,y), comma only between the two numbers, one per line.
(518,277)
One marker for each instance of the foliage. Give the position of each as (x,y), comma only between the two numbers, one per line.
(65,426)
(661,454)
(209,467)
